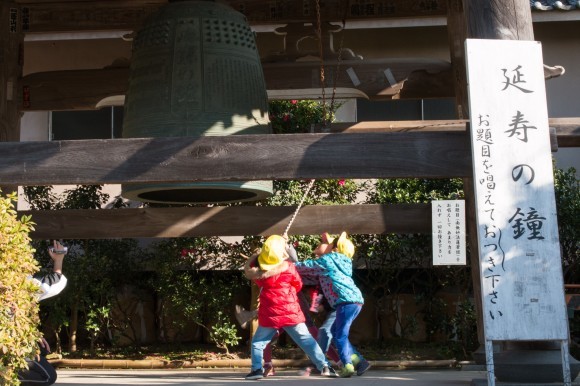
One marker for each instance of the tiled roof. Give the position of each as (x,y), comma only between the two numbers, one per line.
(548,5)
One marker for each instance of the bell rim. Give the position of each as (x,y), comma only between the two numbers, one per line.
(261,190)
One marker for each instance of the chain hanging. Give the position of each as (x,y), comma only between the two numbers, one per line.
(322,75)
(327,117)
(325,120)
(338,62)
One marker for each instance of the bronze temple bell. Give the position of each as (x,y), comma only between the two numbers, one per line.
(195,71)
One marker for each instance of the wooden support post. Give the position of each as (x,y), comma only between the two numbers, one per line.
(11,41)
(494,19)
(457,32)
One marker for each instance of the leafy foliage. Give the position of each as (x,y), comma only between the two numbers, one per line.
(190,292)
(415,190)
(96,271)
(464,331)
(295,116)
(19,332)
(567,191)
(401,263)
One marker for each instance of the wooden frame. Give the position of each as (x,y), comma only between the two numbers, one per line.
(440,151)
(229,221)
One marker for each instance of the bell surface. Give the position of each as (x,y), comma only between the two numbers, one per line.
(195,71)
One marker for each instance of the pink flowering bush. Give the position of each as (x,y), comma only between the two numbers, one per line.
(295,116)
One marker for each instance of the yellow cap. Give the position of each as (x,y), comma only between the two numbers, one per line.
(273,252)
(345,246)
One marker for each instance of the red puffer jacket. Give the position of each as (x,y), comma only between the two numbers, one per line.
(279,286)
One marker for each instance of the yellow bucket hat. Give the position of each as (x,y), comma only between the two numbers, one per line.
(273,252)
(345,246)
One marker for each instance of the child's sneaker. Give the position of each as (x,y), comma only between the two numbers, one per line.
(269,370)
(347,371)
(328,371)
(362,367)
(255,374)
(308,371)
(360,364)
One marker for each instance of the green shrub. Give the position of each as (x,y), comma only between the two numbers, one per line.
(295,116)
(18,306)
(567,191)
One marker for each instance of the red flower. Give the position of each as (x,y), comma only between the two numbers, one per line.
(286,118)
(294,101)
(341,182)
(296,243)
(186,252)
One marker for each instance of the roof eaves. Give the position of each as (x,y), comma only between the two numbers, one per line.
(550,5)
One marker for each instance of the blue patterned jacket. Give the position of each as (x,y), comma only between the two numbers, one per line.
(338,268)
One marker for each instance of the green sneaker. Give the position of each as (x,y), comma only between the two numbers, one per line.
(360,364)
(362,367)
(346,371)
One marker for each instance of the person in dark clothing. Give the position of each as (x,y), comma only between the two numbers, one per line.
(40,372)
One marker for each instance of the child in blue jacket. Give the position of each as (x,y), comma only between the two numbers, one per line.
(335,263)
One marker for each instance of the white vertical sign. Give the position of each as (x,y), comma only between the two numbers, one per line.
(448,229)
(519,253)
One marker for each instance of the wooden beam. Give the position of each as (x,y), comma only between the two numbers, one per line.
(79,16)
(236,158)
(83,89)
(399,154)
(229,221)
(107,15)
(71,89)
(408,77)
(567,129)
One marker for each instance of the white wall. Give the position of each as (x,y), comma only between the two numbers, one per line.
(34,126)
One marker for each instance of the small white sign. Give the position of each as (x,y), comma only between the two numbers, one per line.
(448,228)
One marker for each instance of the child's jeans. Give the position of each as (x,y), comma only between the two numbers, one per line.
(325,331)
(268,349)
(346,313)
(299,334)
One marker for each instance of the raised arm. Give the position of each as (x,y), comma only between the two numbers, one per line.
(53,283)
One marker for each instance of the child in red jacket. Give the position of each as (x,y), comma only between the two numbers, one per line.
(279,284)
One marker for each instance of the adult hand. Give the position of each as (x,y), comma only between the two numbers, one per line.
(44,344)
(57,258)
(57,249)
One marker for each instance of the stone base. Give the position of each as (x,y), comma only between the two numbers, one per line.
(532,366)
(483,382)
